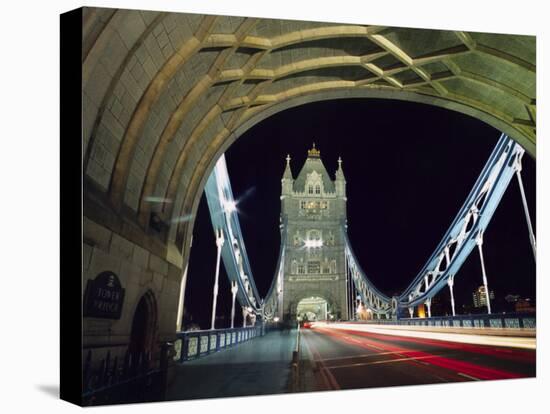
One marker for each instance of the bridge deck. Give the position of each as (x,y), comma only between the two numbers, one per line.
(348,359)
(258,367)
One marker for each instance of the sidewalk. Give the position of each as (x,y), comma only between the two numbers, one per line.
(258,367)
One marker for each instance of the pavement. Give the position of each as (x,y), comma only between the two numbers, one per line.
(350,359)
(258,367)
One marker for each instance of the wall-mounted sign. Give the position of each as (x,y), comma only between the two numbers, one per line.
(104,297)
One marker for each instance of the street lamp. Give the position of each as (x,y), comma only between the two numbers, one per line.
(234,290)
(230,206)
(219,244)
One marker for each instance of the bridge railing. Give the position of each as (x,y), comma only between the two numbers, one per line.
(495,320)
(196,344)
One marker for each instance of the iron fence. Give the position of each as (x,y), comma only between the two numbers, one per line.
(196,344)
(496,320)
(134,379)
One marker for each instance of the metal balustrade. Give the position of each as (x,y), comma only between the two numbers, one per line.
(495,320)
(196,344)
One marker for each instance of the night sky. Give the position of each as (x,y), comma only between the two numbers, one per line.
(409,168)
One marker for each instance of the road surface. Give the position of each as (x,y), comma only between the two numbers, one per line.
(348,359)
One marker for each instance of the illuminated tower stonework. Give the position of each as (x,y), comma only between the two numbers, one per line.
(314,208)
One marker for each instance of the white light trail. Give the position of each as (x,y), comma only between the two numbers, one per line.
(409,331)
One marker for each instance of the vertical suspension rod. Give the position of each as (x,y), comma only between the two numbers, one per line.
(526,210)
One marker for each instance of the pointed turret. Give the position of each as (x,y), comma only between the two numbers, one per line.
(340,181)
(313,178)
(287,180)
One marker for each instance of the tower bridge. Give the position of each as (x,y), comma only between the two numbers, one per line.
(317,259)
(320,283)
(166,94)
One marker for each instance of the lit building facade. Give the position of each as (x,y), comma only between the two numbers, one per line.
(480,298)
(314,209)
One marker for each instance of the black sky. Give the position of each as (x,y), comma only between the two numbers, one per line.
(409,168)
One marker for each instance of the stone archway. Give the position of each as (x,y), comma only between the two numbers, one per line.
(183,233)
(156,122)
(158,115)
(294,299)
(313,308)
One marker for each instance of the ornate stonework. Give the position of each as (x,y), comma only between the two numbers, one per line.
(314,208)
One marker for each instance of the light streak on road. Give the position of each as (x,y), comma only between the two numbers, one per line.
(489,340)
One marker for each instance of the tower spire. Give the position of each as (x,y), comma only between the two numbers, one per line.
(339,171)
(288,172)
(340,180)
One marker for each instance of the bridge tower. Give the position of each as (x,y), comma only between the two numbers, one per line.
(313,206)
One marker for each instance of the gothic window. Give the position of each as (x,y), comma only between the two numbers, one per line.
(314,235)
(293,267)
(333,266)
(303,204)
(301,269)
(317,189)
(326,267)
(313,267)
(310,189)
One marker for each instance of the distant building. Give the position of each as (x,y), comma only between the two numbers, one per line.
(480,299)
(512,298)
(525,305)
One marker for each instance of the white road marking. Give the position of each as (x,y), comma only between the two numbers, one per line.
(468,376)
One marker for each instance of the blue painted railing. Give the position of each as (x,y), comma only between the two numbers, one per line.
(196,344)
(496,320)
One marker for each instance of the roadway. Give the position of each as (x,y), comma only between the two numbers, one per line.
(348,358)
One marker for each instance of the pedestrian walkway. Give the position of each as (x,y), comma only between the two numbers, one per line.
(258,367)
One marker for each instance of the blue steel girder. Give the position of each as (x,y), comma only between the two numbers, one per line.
(223,215)
(468,225)
(273,300)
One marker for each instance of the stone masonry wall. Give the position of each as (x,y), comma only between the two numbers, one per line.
(139,271)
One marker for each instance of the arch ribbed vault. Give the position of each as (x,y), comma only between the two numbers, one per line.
(165,94)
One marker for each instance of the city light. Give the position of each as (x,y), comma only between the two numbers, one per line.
(230,206)
(313,243)
(276,319)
